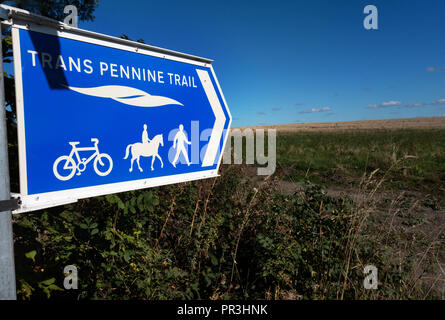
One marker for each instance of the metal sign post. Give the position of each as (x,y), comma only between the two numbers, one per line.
(7,271)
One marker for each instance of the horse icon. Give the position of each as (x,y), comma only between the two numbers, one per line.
(148,149)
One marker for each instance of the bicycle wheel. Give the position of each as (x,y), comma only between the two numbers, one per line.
(103,164)
(68,168)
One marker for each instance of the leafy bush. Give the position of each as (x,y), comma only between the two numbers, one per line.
(222,238)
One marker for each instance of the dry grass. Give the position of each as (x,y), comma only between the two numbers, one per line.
(393,170)
(410,123)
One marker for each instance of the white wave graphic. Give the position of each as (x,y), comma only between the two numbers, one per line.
(126,95)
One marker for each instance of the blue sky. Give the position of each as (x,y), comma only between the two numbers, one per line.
(301,61)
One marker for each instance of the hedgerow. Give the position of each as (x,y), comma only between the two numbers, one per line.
(221,238)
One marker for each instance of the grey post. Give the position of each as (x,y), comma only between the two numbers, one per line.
(7,271)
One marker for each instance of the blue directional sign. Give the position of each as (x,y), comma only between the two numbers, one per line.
(97,117)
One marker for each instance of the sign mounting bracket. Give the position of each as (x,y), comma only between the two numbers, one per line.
(11,204)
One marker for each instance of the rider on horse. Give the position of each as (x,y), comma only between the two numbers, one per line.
(145,138)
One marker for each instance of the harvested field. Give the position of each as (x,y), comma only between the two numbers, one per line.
(411,123)
(394,170)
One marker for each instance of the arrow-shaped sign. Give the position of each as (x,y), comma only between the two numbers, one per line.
(102,117)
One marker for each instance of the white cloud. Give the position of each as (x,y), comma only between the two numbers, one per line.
(430,69)
(423,104)
(314,110)
(386,104)
(440,101)
(391,103)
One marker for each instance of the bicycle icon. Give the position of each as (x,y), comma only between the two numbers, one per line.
(102,162)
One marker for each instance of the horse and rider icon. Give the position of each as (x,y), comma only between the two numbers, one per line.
(150,148)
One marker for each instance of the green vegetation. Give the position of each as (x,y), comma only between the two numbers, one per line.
(244,243)
(412,159)
(239,237)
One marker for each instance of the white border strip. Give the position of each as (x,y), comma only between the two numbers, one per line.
(20,110)
(68,35)
(51,199)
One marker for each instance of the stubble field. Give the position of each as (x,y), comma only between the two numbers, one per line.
(394,170)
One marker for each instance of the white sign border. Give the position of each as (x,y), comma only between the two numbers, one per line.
(55,198)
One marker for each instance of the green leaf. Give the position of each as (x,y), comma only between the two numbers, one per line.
(48,282)
(54,287)
(214,260)
(31,255)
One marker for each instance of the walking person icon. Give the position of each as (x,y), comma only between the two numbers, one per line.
(178,143)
